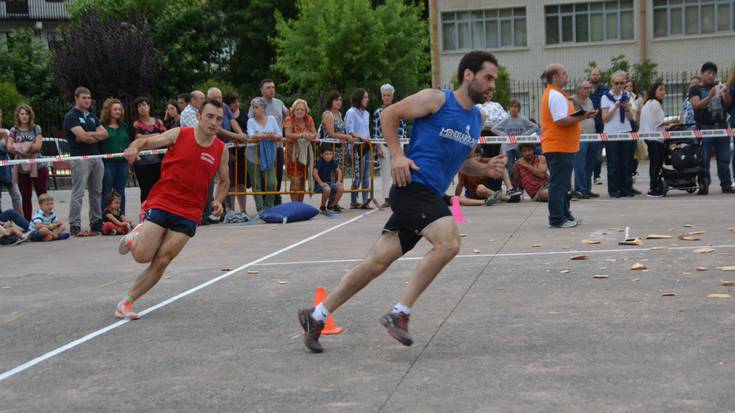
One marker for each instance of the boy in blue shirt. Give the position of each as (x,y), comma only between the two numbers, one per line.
(322,173)
(44,225)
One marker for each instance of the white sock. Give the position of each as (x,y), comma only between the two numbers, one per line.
(320,313)
(400,308)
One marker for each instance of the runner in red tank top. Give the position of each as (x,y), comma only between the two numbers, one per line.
(176,202)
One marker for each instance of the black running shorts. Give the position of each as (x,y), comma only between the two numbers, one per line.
(414,206)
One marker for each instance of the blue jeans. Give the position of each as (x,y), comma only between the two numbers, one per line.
(619,167)
(116,176)
(722,156)
(560,169)
(584,165)
(361,164)
(12,215)
(513,155)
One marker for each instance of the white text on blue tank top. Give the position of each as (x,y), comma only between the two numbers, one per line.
(460,137)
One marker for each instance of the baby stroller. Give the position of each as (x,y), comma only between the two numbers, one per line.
(682,162)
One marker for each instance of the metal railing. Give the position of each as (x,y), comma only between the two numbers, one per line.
(33,10)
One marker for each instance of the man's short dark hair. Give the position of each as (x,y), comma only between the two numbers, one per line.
(216,103)
(230,97)
(264,81)
(186,97)
(81,90)
(532,146)
(474,61)
(709,66)
(324,147)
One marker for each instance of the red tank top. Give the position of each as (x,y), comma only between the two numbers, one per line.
(530,182)
(186,171)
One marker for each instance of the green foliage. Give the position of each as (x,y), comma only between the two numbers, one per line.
(9,99)
(188,34)
(250,25)
(26,64)
(643,74)
(345,44)
(220,84)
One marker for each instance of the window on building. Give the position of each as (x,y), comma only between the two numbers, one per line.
(484,29)
(589,22)
(16,7)
(681,17)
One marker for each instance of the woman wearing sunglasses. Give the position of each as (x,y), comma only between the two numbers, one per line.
(617,114)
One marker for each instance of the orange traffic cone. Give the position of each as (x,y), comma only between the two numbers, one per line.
(329,326)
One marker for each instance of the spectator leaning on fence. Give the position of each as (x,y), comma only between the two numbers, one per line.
(119,134)
(333,127)
(357,123)
(264,131)
(6,172)
(387,94)
(171,117)
(26,142)
(687,111)
(616,114)
(560,133)
(300,132)
(584,160)
(188,117)
(276,108)
(710,102)
(84,132)
(148,167)
(653,120)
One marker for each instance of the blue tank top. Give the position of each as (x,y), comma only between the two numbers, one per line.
(441,142)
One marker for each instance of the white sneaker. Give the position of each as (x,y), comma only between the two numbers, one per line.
(126,242)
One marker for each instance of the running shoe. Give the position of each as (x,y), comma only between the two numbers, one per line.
(124,309)
(494,198)
(64,235)
(126,242)
(397,326)
(312,330)
(513,192)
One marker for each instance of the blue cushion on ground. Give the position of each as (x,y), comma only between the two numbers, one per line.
(289,212)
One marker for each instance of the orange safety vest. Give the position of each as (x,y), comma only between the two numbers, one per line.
(555,138)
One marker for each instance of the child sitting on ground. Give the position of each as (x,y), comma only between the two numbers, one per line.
(322,173)
(115,223)
(44,225)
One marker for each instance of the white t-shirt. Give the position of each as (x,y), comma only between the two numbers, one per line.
(271,126)
(652,115)
(614,125)
(558,105)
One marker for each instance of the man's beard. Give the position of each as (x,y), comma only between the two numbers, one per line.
(476,95)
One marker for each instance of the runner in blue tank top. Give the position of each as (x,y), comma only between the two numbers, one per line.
(446,129)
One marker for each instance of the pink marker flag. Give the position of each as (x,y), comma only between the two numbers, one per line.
(457,211)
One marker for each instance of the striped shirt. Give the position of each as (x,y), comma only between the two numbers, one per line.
(43,219)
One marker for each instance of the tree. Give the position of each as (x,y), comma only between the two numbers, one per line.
(26,63)
(250,26)
(188,36)
(111,57)
(345,44)
(643,74)
(9,99)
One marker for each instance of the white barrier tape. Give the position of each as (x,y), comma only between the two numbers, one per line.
(512,139)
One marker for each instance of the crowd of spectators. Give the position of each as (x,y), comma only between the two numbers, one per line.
(272,139)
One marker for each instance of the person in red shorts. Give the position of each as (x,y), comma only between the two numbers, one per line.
(176,202)
(531,173)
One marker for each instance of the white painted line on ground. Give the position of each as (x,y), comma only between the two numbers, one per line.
(90,336)
(509,254)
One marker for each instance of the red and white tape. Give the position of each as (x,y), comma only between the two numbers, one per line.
(511,139)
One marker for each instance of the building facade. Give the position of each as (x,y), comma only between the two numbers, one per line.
(43,16)
(526,35)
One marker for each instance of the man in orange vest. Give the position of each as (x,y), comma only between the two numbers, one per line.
(560,132)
